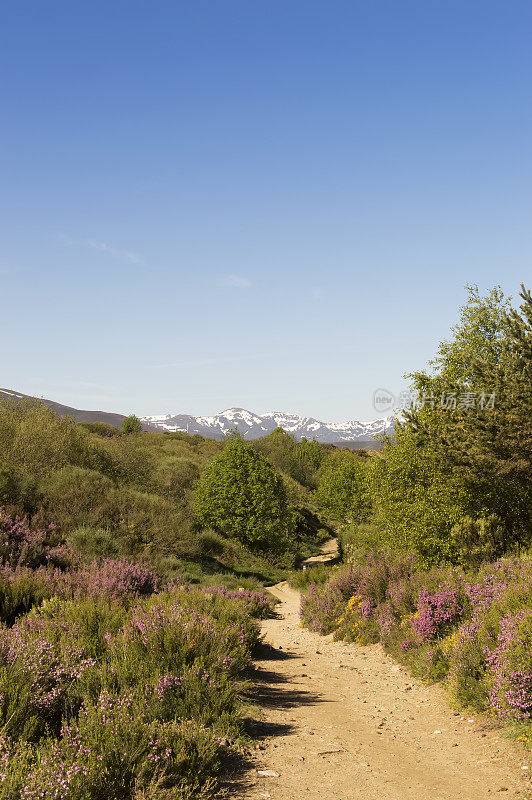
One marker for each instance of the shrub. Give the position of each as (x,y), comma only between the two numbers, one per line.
(22,546)
(78,496)
(342,485)
(511,667)
(131,425)
(111,752)
(324,603)
(39,666)
(103,429)
(9,485)
(34,440)
(241,496)
(300,461)
(357,541)
(102,697)
(89,543)
(211,543)
(21,590)
(176,476)
(479,540)
(302,579)
(117,579)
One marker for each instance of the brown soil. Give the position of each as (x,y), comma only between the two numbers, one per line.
(343,722)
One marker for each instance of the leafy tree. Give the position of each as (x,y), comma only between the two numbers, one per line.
(342,489)
(492,446)
(416,498)
(241,496)
(131,424)
(482,332)
(421,487)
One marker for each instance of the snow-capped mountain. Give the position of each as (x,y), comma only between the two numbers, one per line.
(252,426)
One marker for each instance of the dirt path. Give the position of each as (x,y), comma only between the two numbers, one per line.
(342,722)
(328,552)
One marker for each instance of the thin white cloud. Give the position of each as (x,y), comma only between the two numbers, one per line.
(115,252)
(236,281)
(102,247)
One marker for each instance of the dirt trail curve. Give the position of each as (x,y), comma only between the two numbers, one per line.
(342,722)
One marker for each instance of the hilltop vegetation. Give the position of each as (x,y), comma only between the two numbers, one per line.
(158,496)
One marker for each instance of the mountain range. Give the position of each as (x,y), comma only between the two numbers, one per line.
(249,424)
(252,425)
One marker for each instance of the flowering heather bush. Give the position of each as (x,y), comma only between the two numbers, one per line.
(116,579)
(162,635)
(323,603)
(381,571)
(22,588)
(472,629)
(20,546)
(112,689)
(511,667)
(436,613)
(44,658)
(256,604)
(112,751)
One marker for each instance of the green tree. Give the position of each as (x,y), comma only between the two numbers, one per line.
(131,424)
(341,489)
(416,498)
(241,496)
(481,332)
(454,482)
(492,446)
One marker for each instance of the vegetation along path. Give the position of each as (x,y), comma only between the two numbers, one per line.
(342,722)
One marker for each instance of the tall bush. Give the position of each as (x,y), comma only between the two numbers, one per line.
(241,496)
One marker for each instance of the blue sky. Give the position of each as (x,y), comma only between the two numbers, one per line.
(270,205)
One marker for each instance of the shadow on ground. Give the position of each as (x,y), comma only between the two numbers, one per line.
(266,693)
(266,689)
(265,652)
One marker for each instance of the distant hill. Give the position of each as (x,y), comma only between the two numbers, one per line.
(78,414)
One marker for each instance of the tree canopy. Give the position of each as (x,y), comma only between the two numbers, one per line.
(241,496)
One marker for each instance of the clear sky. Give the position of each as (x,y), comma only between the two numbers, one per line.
(273,205)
